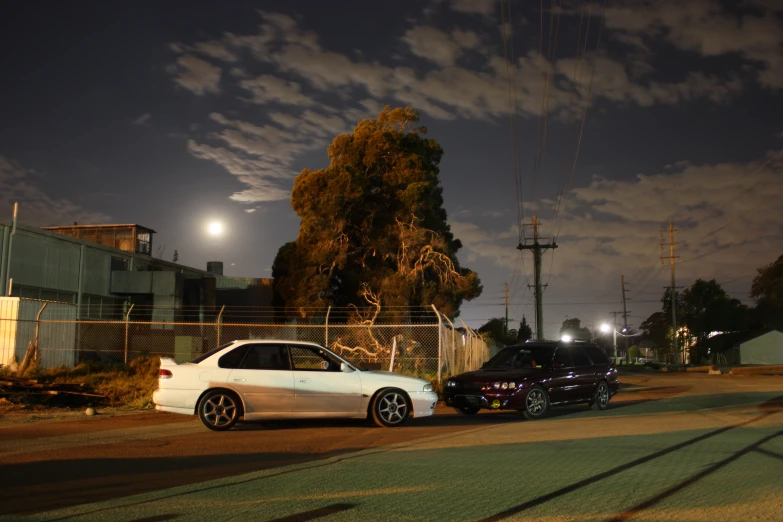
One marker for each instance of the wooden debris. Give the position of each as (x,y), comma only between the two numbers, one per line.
(31,390)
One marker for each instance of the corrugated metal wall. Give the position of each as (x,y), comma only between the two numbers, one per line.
(56,333)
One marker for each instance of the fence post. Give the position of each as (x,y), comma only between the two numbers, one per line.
(393,354)
(219,322)
(452,357)
(326,332)
(440,343)
(468,346)
(127,318)
(38,323)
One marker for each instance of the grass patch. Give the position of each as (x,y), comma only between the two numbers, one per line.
(126,387)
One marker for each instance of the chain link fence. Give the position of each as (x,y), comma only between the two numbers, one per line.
(413,341)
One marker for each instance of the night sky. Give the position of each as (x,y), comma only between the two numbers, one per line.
(175,114)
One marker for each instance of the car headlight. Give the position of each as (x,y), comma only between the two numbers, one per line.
(500,386)
(451,384)
(428,387)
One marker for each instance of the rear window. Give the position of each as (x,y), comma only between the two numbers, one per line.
(597,355)
(211,353)
(233,358)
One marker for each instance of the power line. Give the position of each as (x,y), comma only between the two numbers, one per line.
(587,103)
(512,110)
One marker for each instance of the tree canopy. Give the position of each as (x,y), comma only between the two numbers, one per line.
(573,327)
(767,291)
(373,228)
(525,332)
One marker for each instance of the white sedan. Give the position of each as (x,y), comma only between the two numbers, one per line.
(279,379)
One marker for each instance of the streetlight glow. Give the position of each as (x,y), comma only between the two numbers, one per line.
(566,338)
(605,328)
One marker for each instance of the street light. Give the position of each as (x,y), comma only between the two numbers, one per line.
(566,338)
(605,329)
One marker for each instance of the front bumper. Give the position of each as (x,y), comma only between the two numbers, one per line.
(487,401)
(423,403)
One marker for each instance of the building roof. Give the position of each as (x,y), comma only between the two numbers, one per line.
(729,340)
(125,225)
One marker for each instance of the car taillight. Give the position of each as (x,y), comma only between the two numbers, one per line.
(165,374)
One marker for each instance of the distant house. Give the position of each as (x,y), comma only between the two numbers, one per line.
(760,347)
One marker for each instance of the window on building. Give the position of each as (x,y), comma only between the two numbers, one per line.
(143,243)
(123,239)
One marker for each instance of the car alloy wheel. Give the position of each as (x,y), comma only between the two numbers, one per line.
(390,408)
(601,399)
(536,403)
(218,410)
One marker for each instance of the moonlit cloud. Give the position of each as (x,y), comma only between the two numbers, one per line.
(36,206)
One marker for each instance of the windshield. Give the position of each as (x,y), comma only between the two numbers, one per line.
(519,357)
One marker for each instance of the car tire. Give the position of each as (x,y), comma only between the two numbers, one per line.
(601,399)
(536,403)
(390,408)
(468,410)
(219,410)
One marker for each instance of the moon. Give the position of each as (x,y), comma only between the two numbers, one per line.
(215,228)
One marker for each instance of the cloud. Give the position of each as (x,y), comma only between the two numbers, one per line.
(141,120)
(262,156)
(704,27)
(727,215)
(438,46)
(35,206)
(267,88)
(196,75)
(319,87)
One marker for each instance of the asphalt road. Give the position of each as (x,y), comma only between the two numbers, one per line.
(671,447)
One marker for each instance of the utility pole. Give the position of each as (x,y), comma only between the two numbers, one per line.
(672,257)
(6,283)
(505,327)
(614,334)
(625,315)
(537,249)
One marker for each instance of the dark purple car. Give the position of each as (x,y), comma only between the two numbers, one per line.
(534,376)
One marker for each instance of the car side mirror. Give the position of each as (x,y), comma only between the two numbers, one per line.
(345,368)
(484,365)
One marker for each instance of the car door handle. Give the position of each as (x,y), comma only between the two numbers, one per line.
(304,380)
(239,379)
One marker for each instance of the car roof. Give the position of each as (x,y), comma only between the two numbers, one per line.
(553,344)
(237,342)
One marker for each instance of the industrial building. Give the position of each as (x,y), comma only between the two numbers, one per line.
(103,269)
(93,277)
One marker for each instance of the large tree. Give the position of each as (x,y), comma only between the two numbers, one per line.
(767,291)
(373,229)
(707,308)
